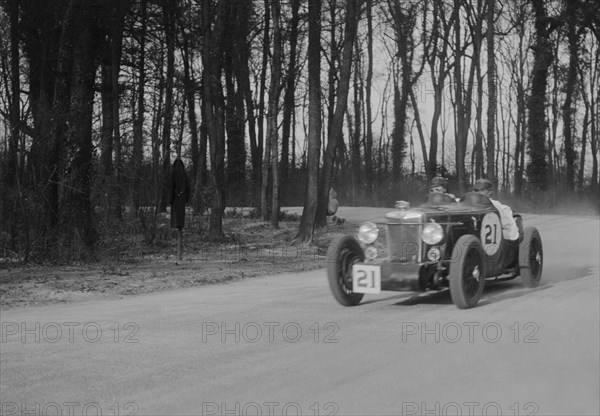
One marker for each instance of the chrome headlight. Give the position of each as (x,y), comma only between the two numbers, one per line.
(434,254)
(371,252)
(368,233)
(432,233)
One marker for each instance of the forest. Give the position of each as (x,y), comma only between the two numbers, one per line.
(273,103)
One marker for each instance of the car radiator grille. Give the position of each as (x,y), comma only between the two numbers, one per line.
(403,243)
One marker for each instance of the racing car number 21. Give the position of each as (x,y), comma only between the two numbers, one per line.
(366,278)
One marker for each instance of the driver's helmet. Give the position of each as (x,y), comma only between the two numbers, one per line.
(482,185)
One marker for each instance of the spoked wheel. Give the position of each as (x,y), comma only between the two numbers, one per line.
(531,257)
(342,254)
(467,272)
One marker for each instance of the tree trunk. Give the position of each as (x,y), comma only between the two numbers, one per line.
(417,116)
(518,74)
(60,111)
(15,97)
(76,185)
(214,110)
(554,169)
(274,91)
(155,135)
(404,24)
(266,45)
(594,114)
(138,124)
(573,38)
(117,22)
(580,177)
(288,100)
(439,57)
(107,137)
(460,130)
(478,149)
(335,131)
(332,71)
(537,169)
(169,12)
(463,94)
(307,222)
(255,145)
(368,153)
(201,171)
(492,94)
(190,96)
(355,134)
(399,131)
(234,41)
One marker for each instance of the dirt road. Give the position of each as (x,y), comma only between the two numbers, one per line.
(281,345)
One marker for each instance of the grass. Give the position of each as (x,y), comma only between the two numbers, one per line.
(127,263)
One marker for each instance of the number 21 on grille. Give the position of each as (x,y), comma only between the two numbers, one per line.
(366,278)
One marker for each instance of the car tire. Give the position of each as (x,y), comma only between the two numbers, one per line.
(467,272)
(531,257)
(342,253)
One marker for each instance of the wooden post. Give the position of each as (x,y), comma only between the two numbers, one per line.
(179,243)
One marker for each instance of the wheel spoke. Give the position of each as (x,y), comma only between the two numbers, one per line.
(471,275)
(535,260)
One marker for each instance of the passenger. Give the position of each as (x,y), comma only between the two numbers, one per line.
(510,231)
(440,185)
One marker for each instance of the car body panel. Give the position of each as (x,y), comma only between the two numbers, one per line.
(406,266)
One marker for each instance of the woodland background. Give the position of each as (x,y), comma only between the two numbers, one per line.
(271,103)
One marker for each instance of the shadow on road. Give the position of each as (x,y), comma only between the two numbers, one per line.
(498,292)
(437,298)
(493,292)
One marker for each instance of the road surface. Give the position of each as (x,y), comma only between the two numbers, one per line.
(281,345)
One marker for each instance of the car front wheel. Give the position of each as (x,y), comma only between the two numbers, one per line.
(341,255)
(467,272)
(531,256)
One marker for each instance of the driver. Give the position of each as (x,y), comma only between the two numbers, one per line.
(510,231)
(439,185)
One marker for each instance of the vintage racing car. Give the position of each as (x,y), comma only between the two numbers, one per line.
(440,244)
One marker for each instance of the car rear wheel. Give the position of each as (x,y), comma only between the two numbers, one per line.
(341,255)
(467,272)
(531,257)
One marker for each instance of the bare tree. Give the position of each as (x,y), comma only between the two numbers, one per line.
(271,156)
(214,107)
(138,123)
(335,130)
(492,92)
(15,107)
(537,169)
(289,103)
(235,41)
(463,83)
(307,222)
(169,21)
(573,39)
(439,68)
(404,22)
(368,148)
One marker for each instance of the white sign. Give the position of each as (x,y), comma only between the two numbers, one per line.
(491,233)
(366,278)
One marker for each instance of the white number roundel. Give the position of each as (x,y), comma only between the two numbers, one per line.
(491,233)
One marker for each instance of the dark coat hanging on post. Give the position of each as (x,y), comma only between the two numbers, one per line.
(179,194)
